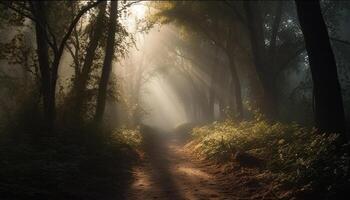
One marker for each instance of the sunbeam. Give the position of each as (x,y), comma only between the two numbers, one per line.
(174,100)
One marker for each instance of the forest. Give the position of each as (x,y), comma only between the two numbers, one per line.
(174,100)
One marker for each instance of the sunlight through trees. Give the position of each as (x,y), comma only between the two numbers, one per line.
(174,99)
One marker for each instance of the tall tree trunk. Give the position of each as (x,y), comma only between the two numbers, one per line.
(50,73)
(221,108)
(53,84)
(212,94)
(329,111)
(237,90)
(43,56)
(89,57)
(107,63)
(259,52)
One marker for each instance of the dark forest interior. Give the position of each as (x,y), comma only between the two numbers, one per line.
(174,100)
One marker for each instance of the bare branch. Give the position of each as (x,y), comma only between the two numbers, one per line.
(128,5)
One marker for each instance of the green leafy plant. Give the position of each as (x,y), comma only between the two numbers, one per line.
(297,156)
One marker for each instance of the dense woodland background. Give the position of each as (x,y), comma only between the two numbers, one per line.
(80,81)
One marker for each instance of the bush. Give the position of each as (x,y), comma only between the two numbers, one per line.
(297,156)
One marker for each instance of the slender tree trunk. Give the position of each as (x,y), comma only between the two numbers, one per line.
(89,57)
(212,94)
(43,56)
(237,90)
(268,101)
(50,73)
(107,64)
(221,108)
(52,96)
(329,111)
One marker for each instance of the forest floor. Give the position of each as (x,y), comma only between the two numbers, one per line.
(170,171)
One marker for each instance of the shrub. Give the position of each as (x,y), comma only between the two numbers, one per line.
(297,156)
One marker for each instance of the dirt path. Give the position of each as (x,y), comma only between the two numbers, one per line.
(169,172)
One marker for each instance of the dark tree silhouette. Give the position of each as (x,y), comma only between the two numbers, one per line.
(89,57)
(43,56)
(107,63)
(329,112)
(256,34)
(45,38)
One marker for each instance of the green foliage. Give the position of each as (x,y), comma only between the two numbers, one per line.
(297,156)
(130,137)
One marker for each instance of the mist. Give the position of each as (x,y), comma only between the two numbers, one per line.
(174,99)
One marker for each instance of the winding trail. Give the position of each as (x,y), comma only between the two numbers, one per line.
(169,172)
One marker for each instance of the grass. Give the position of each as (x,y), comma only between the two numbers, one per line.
(298,157)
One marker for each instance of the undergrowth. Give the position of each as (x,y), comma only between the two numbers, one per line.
(298,157)
(80,163)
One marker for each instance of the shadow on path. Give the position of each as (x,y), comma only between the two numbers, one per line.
(158,155)
(168,172)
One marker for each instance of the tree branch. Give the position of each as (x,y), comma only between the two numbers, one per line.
(73,24)
(53,44)
(75,59)
(128,5)
(45,27)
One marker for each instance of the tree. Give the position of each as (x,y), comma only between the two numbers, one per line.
(46,41)
(82,79)
(209,20)
(272,46)
(255,24)
(107,63)
(43,58)
(329,112)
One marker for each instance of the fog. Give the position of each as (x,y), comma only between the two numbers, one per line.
(174,100)
(162,86)
(166,70)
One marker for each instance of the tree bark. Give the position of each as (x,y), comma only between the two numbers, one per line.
(49,71)
(43,56)
(107,64)
(237,90)
(268,101)
(329,111)
(89,57)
